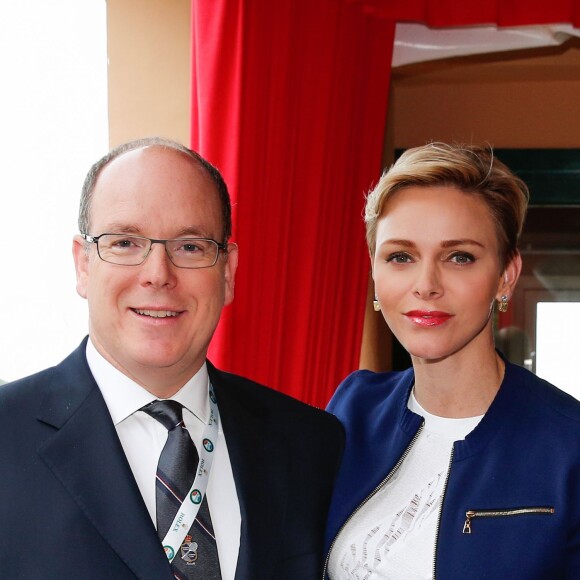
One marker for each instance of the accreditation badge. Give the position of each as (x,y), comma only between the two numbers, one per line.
(189,551)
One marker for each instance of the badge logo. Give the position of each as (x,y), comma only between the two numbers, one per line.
(189,551)
(169,552)
(195,496)
(208,445)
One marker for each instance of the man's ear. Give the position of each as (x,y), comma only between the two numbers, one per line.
(509,277)
(81,258)
(230,272)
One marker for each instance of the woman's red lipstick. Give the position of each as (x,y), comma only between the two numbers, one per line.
(427,318)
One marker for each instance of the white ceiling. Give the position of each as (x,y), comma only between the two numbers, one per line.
(418,43)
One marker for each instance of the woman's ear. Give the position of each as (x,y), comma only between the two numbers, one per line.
(372,258)
(509,277)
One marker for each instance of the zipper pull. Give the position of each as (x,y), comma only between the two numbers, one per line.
(467,524)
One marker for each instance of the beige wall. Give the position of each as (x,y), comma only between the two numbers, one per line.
(149,69)
(514,99)
(524,99)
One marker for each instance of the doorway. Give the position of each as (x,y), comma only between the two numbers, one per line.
(543,323)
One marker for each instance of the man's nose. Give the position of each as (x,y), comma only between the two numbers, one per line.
(157,270)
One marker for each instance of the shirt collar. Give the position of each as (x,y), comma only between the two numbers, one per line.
(124,396)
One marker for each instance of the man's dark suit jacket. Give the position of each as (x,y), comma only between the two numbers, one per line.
(70,507)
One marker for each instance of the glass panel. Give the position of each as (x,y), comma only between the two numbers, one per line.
(558,334)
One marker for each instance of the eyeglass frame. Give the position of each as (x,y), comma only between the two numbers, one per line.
(221,247)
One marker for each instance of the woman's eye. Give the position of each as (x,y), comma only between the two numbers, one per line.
(462,258)
(399,258)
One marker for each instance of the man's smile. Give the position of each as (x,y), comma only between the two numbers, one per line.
(156,313)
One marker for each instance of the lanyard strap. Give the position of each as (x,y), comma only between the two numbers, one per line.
(187,513)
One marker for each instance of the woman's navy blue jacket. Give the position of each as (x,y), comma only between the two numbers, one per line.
(518,471)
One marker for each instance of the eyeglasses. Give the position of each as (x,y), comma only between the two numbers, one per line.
(127,250)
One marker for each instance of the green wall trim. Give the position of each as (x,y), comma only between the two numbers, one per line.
(552,175)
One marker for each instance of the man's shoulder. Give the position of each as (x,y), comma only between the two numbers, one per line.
(20,402)
(26,387)
(27,394)
(262,398)
(302,433)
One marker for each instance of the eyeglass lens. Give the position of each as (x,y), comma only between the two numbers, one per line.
(132,250)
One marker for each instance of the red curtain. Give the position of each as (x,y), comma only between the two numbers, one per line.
(289,100)
(446,13)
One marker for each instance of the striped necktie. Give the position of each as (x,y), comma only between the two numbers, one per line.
(198,557)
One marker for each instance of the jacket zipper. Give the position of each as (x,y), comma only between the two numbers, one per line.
(470,514)
(377,489)
(441,513)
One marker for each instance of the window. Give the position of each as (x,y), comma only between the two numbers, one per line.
(53,114)
(557,331)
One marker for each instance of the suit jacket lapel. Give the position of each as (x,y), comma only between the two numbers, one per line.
(86,456)
(260,470)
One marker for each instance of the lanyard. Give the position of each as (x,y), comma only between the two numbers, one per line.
(187,513)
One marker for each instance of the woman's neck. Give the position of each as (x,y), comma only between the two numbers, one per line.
(461,385)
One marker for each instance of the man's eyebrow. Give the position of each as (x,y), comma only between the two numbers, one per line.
(192,231)
(124,228)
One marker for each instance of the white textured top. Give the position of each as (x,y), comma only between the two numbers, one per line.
(393,535)
(143,438)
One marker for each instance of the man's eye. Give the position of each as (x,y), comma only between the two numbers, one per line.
(191,248)
(123,243)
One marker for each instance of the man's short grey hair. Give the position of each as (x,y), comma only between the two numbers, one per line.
(212,172)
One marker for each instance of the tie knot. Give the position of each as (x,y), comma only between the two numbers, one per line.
(168,413)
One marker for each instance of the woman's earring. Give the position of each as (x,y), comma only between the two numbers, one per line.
(503,303)
(376,305)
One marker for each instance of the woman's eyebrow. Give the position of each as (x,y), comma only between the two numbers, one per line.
(462,242)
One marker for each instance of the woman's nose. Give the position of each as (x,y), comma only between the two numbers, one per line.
(428,283)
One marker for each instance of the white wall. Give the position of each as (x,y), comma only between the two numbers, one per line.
(53,115)
(557,344)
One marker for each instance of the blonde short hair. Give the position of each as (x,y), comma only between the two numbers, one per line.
(470,168)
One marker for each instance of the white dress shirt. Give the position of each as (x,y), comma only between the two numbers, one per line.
(143,438)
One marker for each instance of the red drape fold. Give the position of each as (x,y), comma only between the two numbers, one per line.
(289,100)
(447,13)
